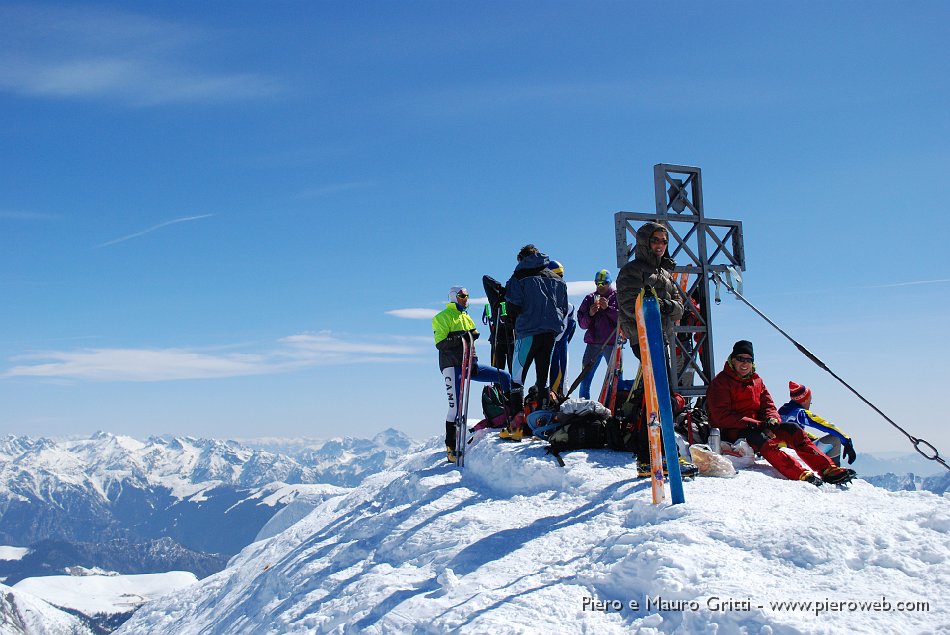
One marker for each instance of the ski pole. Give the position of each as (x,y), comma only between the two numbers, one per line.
(915,441)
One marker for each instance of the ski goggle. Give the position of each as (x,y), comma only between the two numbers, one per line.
(461,294)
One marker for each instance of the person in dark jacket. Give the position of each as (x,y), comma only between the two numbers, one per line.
(448,327)
(598,316)
(650,267)
(741,407)
(559,356)
(537,297)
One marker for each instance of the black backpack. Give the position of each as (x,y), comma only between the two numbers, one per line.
(589,431)
(501,327)
(693,424)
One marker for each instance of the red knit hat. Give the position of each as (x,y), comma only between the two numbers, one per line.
(799,393)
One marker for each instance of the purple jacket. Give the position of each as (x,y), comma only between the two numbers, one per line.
(600,328)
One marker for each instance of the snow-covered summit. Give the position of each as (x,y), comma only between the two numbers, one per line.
(516,544)
(22,613)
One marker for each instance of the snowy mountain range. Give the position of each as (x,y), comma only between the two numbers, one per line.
(516,544)
(158,505)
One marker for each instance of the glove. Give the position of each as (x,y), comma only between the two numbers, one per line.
(771,422)
(666,306)
(848,451)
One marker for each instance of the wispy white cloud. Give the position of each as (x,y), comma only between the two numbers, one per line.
(908,284)
(326,345)
(574,289)
(580,289)
(413,314)
(186,219)
(88,53)
(288,354)
(129,364)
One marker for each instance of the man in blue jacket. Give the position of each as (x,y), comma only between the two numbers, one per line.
(537,297)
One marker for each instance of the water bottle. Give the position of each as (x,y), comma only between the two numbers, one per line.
(714,440)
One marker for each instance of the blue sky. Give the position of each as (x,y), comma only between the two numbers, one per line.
(215,216)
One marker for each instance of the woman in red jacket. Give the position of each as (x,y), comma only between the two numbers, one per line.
(740,405)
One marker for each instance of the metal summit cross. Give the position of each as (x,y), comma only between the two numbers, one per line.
(700,246)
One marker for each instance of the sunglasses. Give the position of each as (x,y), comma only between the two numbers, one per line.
(461,295)
(742,359)
(658,241)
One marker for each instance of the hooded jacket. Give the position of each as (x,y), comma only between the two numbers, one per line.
(648,270)
(537,296)
(600,326)
(735,403)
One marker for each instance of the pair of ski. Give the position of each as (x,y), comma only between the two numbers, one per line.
(608,394)
(656,392)
(465,384)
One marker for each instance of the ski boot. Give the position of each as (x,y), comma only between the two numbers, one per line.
(450,454)
(838,475)
(687,469)
(643,469)
(514,431)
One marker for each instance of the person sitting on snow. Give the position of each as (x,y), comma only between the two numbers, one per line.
(797,411)
(448,327)
(740,405)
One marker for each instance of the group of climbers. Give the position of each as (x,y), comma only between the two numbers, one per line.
(536,307)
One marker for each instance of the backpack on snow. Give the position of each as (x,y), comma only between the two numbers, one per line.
(580,425)
(493,401)
(693,424)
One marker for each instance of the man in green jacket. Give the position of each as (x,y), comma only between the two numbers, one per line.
(448,326)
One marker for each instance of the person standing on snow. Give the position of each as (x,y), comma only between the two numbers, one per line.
(650,267)
(740,405)
(448,327)
(598,316)
(537,297)
(558,372)
(797,411)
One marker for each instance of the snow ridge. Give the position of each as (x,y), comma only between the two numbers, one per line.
(517,544)
(22,613)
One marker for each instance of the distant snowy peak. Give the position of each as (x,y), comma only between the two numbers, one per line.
(939,484)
